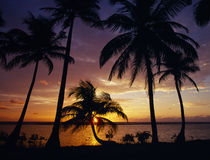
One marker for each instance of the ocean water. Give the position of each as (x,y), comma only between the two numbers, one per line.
(85,136)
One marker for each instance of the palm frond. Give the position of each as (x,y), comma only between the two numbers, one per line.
(110,106)
(71,110)
(75,123)
(202,12)
(187,38)
(119,22)
(170,8)
(2,21)
(136,66)
(164,76)
(105,96)
(178,26)
(17,60)
(47,61)
(192,81)
(114,47)
(102,122)
(85,91)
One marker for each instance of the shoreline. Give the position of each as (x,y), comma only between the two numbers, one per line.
(195,148)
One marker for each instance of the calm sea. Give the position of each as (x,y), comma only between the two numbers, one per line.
(85,136)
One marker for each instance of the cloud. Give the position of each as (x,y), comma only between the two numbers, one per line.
(108,83)
(88,60)
(44,82)
(16,101)
(4,108)
(196,104)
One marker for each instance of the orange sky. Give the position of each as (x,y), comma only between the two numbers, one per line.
(86,46)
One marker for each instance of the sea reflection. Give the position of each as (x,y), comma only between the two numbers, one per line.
(80,137)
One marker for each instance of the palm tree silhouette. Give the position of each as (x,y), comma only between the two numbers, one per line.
(66,11)
(2,54)
(40,45)
(179,67)
(89,108)
(202,12)
(3,59)
(146,35)
(2,22)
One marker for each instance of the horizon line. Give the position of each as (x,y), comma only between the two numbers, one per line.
(120,123)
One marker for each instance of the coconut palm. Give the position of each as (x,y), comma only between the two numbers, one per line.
(10,44)
(67,11)
(146,36)
(89,109)
(179,67)
(2,22)
(202,12)
(2,54)
(40,45)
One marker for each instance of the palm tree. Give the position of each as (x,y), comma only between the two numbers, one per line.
(202,12)
(66,11)
(89,108)
(2,54)
(40,45)
(179,67)
(146,36)
(2,22)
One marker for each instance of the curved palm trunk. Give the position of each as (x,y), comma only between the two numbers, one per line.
(151,100)
(54,142)
(181,137)
(95,135)
(12,139)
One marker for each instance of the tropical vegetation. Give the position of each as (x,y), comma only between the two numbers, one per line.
(90,109)
(66,12)
(202,12)
(147,36)
(179,67)
(39,45)
(146,41)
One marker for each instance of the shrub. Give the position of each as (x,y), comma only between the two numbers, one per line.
(142,137)
(110,134)
(128,138)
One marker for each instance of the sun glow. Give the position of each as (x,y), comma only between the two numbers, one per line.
(95,120)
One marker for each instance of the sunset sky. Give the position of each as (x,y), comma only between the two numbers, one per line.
(86,47)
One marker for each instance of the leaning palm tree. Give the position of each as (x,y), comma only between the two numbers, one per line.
(89,108)
(179,67)
(146,36)
(67,11)
(202,12)
(40,45)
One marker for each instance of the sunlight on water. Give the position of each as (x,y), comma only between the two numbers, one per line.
(85,136)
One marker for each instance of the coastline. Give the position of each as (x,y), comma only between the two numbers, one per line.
(191,149)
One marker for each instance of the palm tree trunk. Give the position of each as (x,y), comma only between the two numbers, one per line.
(53,141)
(95,135)
(151,100)
(12,139)
(181,137)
